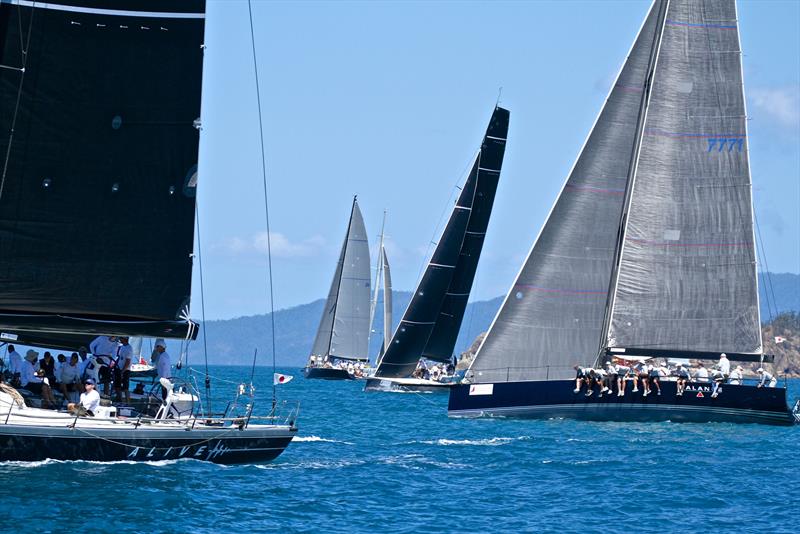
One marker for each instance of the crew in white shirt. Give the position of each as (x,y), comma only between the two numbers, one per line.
(14,360)
(766,379)
(104,349)
(70,377)
(736,376)
(164,365)
(89,402)
(724,364)
(29,379)
(701,374)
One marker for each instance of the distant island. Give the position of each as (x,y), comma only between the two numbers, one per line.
(232,341)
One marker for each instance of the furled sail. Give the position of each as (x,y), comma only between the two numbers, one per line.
(344,328)
(687,274)
(99,109)
(423,313)
(552,316)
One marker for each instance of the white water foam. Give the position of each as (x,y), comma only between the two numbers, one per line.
(318,439)
(489,442)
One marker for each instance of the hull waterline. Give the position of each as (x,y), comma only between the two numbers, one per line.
(407,385)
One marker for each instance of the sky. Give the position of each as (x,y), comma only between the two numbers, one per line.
(389,101)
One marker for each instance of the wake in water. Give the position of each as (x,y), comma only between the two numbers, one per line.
(318,439)
(490,442)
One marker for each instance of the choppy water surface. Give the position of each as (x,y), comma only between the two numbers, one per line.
(395,462)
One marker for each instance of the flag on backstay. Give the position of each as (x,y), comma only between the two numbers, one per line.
(278,378)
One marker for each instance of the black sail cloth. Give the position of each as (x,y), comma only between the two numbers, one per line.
(97,199)
(430,324)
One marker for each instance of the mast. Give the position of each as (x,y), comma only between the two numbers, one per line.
(634,160)
(378,269)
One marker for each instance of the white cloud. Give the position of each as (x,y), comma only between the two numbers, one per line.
(281,245)
(779,104)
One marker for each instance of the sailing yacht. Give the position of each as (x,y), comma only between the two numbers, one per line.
(343,332)
(649,251)
(431,322)
(100,120)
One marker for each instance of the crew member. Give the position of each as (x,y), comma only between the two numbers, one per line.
(766,379)
(89,401)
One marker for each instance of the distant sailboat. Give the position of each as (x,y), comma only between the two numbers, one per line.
(343,333)
(431,322)
(649,250)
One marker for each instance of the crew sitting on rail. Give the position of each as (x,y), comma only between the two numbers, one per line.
(654,380)
(683,378)
(581,375)
(718,378)
(642,375)
(766,379)
(622,373)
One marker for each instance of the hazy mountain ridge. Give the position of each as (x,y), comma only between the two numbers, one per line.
(232,341)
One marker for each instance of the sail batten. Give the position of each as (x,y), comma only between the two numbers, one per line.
(552,316)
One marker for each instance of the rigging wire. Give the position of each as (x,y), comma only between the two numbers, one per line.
(266,204)
(24,50)
(202,311)
(769,289)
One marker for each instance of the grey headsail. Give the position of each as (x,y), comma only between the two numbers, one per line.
(490,161)
(687,274)
(344,328)
(414,331)
(387,302)
(552,316)
(99,109)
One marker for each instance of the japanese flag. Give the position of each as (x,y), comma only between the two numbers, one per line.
(779,339)
(278,378)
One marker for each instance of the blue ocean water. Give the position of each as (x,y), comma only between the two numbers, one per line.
(368,462)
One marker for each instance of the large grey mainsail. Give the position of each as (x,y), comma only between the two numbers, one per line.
(552,317)
(344,327)
(687,274)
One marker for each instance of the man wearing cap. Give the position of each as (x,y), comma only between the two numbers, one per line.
(736,376)
(766,379)
(122,370)
(163,365)
(30,380)
(89,402)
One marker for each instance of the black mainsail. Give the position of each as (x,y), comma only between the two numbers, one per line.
(343,331)
(649,249)
(430,324)
(99,109)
